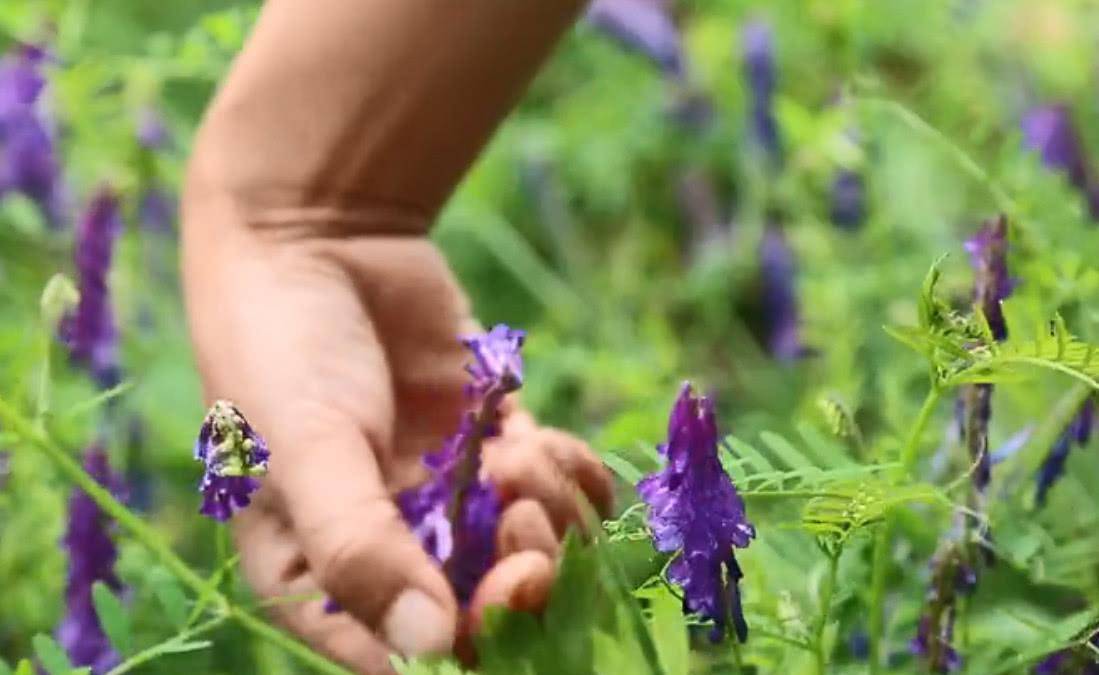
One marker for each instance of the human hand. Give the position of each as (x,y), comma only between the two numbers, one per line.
(342,351)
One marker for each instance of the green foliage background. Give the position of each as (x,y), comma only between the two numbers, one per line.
(569,226)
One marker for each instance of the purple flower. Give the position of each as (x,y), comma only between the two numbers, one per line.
(991,283)
(92,556)
(848,200)
(1078,660)
(234,456)
(695,511)
(759,69)
(644,26)
(455,513)
(497,364)
(951,575)
(152,133)
(157,209)
(1049,131)
(1053,467)
(90,331)
(780,301)
(28,156)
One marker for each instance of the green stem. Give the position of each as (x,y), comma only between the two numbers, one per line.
(156,650)
(884,538)
(286,643)
(826,594)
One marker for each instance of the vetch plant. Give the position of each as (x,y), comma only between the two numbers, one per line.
(233,456)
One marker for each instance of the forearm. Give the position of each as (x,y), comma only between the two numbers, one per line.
(364,115)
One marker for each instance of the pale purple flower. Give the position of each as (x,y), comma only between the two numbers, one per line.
(92,556)
(644,26)
(90,331)
(455,513)
(1049,131)
(157,209)
(234,456)
(694,511)
(152,133)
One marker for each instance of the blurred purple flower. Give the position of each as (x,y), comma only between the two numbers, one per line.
(951,575)
(90,331)
(780,301)
(157,209)
(1049,131)
(92,556)
(1079,660)
(28,156)
(644,26)
(1078,431)
(991,284)
(454,514)
(695,511)
(759,69)
(234,456)
(152,133)
(848,200)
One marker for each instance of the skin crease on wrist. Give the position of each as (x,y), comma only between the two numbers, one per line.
(342,351)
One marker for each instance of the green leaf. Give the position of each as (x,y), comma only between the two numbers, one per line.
(747,451)
(5,669)
(184,647)
(112,617)
(785,451)
(25,667)
(669,631)
(50,654)
(623,467)
(169,594)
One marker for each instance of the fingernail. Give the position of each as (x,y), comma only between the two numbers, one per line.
(416,625)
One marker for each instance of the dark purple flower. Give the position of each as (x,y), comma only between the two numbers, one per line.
(951,575)
(1053,467)
(455,513)
(1049,131)
(234,456)
(780,300)
(1078,660)
(848,200)
(92,556)
(991,283)
(644,26)
(759,69)
(157,209)
(89,331)
(497,364)
(695,512)
(28,156)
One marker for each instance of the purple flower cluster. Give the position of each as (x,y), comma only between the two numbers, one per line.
(28,156)
(695,512)
(1053,467)
(780,301)
(92,556)
(234,457)
(90,331)
(952,575)
(991,284)
(644,26)
(156,205)
(1079,660)
(759,69)
(848,200)
(454,514)
(1049,131)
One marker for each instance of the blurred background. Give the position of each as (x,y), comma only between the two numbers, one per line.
(740,193)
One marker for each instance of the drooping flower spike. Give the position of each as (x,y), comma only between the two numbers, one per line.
(781,312)
(92,556)
(1080,660)
(234,456)
(644,26)
(1049,131)
(992,284)
(694,512)
(848,200)
(952,575)
(455,513)
(1078,432)
(759,68)
(90,331)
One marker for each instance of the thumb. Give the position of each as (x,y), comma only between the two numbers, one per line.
(360,549)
